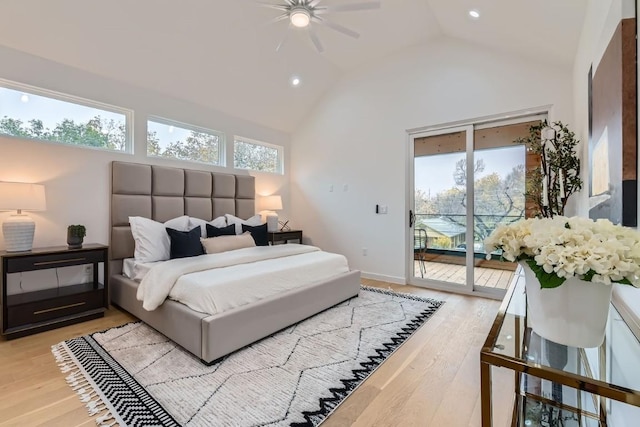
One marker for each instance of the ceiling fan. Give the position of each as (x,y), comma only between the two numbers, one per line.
(301,13)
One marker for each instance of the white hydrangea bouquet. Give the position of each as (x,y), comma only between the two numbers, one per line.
(559,248)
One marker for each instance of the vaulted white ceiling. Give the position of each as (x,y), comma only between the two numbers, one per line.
(221,53)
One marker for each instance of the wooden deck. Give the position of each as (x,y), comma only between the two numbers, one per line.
(484,277)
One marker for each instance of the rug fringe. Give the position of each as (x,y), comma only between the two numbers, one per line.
(390,291)
(80,384)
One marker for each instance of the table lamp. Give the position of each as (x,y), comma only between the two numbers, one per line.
(270,204)
(18,229)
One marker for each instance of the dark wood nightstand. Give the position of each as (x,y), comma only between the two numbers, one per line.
(285,236)
(53,305)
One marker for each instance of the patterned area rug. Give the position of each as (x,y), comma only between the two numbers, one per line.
(134,376)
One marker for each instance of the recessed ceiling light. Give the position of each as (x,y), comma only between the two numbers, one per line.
(474,14)
(295,81)
(24,97)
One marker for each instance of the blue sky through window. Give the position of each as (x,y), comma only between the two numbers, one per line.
(434,173)
(26,106)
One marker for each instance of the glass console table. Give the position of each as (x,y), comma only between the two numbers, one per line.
(552,385)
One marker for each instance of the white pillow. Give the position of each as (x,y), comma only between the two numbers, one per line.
(216,222)
(151,238)
(215,245)
(253,221)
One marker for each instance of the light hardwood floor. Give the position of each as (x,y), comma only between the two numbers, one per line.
(432,380)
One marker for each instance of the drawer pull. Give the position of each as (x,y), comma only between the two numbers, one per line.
(59,308)
(59,261)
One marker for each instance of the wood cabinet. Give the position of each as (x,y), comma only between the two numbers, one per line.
(53,305)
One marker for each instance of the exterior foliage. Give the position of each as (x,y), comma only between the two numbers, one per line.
(497,200)
(97,132)
(255,157)
(108,134)
(197,147)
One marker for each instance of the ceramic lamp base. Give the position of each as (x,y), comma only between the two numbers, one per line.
(18,233)
(272,222)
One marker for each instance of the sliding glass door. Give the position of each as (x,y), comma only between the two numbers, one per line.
(499,197)
(466,181)
(439,210)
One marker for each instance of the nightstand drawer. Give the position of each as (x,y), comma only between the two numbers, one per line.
(42,262)
(289,235)
(285,236)
(39,311)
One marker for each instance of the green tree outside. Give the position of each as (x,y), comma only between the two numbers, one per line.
(110,134)
(97,132)
(497,200)
(255,157)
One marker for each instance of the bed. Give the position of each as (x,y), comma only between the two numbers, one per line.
(161,193)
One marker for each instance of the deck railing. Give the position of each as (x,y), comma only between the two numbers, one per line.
(483,226)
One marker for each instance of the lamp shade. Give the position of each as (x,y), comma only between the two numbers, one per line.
(22,196)
(271,203)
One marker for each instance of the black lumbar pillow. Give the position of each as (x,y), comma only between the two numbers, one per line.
(229,230)
(259,234)
(185,243)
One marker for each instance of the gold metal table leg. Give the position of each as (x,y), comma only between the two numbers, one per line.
(485,393)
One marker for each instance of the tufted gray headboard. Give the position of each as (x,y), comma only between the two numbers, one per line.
(162,193)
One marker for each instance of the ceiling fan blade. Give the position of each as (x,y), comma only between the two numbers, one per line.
(315,40)
(282,42)
(273,6)
(278,18)
(337,27)
(369,5)
(314,3)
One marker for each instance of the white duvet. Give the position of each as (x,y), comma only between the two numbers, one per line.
(219,282)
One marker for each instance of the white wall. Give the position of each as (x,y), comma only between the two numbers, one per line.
(77,179)
(357,136)
(601,20)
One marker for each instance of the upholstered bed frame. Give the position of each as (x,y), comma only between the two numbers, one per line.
(162,193)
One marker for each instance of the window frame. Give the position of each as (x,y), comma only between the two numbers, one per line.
(77,100)
(278,148)
(187,126)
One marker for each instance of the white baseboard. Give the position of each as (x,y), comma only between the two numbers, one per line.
(384,278)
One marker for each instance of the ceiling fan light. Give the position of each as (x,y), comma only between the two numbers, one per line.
(300,17)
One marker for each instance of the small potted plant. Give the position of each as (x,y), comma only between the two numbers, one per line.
(75,236)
